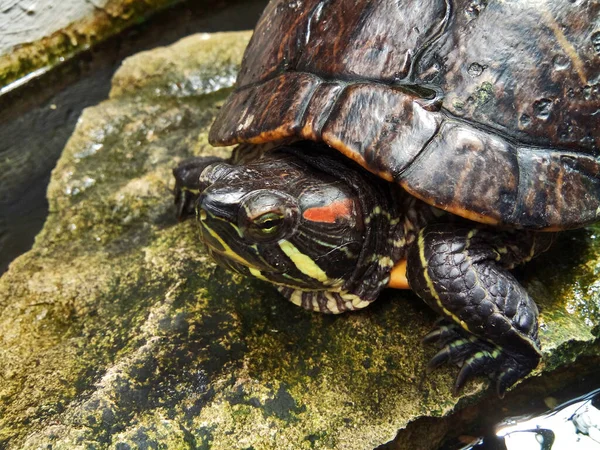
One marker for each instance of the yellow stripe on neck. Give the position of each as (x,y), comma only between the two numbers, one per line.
(303,262)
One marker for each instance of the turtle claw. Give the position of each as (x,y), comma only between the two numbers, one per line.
(477,364)
(453,350)
(506,379)
(443,333)
(438,360)
(465,373)
(475,357)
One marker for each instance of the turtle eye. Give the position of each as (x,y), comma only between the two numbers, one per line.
(265,227)
(267,216)
(269,222)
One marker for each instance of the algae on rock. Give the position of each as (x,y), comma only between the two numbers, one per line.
(47,33)
(118,332)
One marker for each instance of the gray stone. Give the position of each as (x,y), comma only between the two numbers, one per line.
(38,35)
(25,21)
(116,331)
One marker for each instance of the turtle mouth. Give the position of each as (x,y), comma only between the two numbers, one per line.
(223,241)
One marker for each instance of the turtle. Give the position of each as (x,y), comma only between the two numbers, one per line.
(431,145)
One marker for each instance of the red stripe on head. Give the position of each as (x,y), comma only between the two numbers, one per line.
(329,213)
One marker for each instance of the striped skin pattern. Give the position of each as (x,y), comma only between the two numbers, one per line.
(422,94)
(341,229)
(462,274)
(328,234)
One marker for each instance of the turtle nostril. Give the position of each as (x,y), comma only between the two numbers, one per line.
(218,202)
(215,172)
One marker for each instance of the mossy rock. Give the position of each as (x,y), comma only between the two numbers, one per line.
(92,23)
(118,332)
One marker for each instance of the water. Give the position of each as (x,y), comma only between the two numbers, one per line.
(538,422)
(37,118)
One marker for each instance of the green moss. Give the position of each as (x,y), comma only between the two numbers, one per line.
(484,94)
(458,105)
(52,50)
(118,332)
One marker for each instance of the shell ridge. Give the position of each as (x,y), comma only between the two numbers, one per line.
(515,141)
(406,170)
(397,85)
(327,112)
(436,36)
(521,185)
(303,108)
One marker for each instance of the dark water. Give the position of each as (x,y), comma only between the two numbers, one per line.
(483,431)
(37,119)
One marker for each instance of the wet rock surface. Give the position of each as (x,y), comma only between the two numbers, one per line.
(116,331)
(39,35)
(37,118)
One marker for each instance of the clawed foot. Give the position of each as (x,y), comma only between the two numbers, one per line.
(476,357)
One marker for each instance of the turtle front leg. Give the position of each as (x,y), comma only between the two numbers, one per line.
(188,183)
(491,326)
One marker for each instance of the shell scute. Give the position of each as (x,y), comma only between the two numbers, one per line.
(512,136)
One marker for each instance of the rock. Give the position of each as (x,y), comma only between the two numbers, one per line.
(118,332)
(39,35)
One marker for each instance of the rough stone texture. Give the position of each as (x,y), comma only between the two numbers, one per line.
(36,35)
(25,21)
(117,332)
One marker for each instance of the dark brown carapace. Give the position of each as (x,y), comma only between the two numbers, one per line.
(480,121)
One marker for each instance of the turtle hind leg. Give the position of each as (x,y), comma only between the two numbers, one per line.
(463,275)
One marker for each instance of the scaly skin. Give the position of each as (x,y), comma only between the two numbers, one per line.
(462,273)
(328,234)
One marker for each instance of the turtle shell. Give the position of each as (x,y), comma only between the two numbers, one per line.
(489,110)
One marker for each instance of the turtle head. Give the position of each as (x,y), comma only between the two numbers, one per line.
(278,218)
